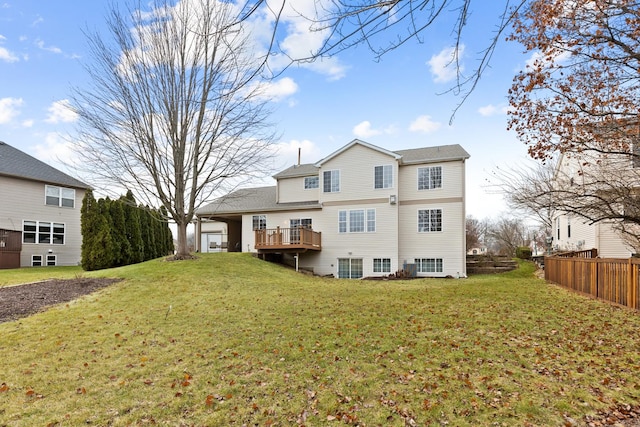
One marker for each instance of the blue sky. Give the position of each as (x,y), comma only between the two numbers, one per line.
(393,103)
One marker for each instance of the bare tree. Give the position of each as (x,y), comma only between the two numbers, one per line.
(176,110)
(507,234)
(476,232)
(529,190)
(385,25)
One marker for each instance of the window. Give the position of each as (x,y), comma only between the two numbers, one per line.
(311,182)
(36,260)
(357,221)
(568,228)
(429,220)
(382,265)
(428,265)
(60,196)
(259,222)
(430,178)
(558,227)
(342,222)
(295,224)
(349,268)
(383,176)
(331,181)
(52,260)
(43,232)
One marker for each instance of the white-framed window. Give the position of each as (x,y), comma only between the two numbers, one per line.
(60,196)
(259,222)
(311,182)
(382,265)
(558,227)
(429,220)
(52,260)
(350,268)
(295,223)
(383,176)
(429,178)
(357,221)
(428,265)
(568,227)
(52,233)
(36,260)
(331,181)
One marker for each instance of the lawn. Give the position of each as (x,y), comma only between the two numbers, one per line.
(231,340)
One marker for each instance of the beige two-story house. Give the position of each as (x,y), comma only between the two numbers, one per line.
(361,211)
(39,212)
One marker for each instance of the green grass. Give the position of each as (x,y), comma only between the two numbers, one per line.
(231,340)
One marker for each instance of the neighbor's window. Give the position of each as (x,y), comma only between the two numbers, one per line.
(259,222)
(429,220)
(43,232)
(52,260)
(383,176)
(60,196)
(382,265)
(428,265)
(36,260)
(430,178)
(331,181)
(311,182)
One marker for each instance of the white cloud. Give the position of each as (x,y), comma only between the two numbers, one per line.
(5,54)
(288,151)
(424,124)
(27,123)
(55,150)
(444,64)
(60,111)
(42,46)
(364,130)
(9,109)
(280,89)
(492,110)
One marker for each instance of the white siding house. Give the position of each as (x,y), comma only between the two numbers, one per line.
(571,232)
(39,212)
(363,211)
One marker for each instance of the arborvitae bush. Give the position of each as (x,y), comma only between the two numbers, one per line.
(523,252)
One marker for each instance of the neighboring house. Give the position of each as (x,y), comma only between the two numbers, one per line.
(362,211)
(572,232)
(39,212)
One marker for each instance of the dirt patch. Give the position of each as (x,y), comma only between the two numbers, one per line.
(24,300)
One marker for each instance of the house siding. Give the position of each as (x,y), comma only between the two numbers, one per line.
(291,190)
(28,204)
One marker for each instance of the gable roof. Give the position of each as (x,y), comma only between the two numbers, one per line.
(16,164)
(306,169)
(259,199)
(357,142)
(440,153)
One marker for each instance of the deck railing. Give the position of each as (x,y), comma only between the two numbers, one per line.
(288,238)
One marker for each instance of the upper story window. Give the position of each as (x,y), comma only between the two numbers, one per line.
(60,196)
(331,181)
(430,178)
(259,222)
(429,220)
(311,182)
(383,176)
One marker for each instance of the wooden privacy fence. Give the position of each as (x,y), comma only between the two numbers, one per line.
(610,279)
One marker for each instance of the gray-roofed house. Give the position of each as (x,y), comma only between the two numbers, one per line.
(361,211)
(39,212)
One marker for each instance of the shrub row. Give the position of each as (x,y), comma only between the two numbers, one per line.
(119,232)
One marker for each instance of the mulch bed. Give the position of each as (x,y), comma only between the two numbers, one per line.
(24,300)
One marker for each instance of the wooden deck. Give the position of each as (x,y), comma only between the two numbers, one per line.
(299,239)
